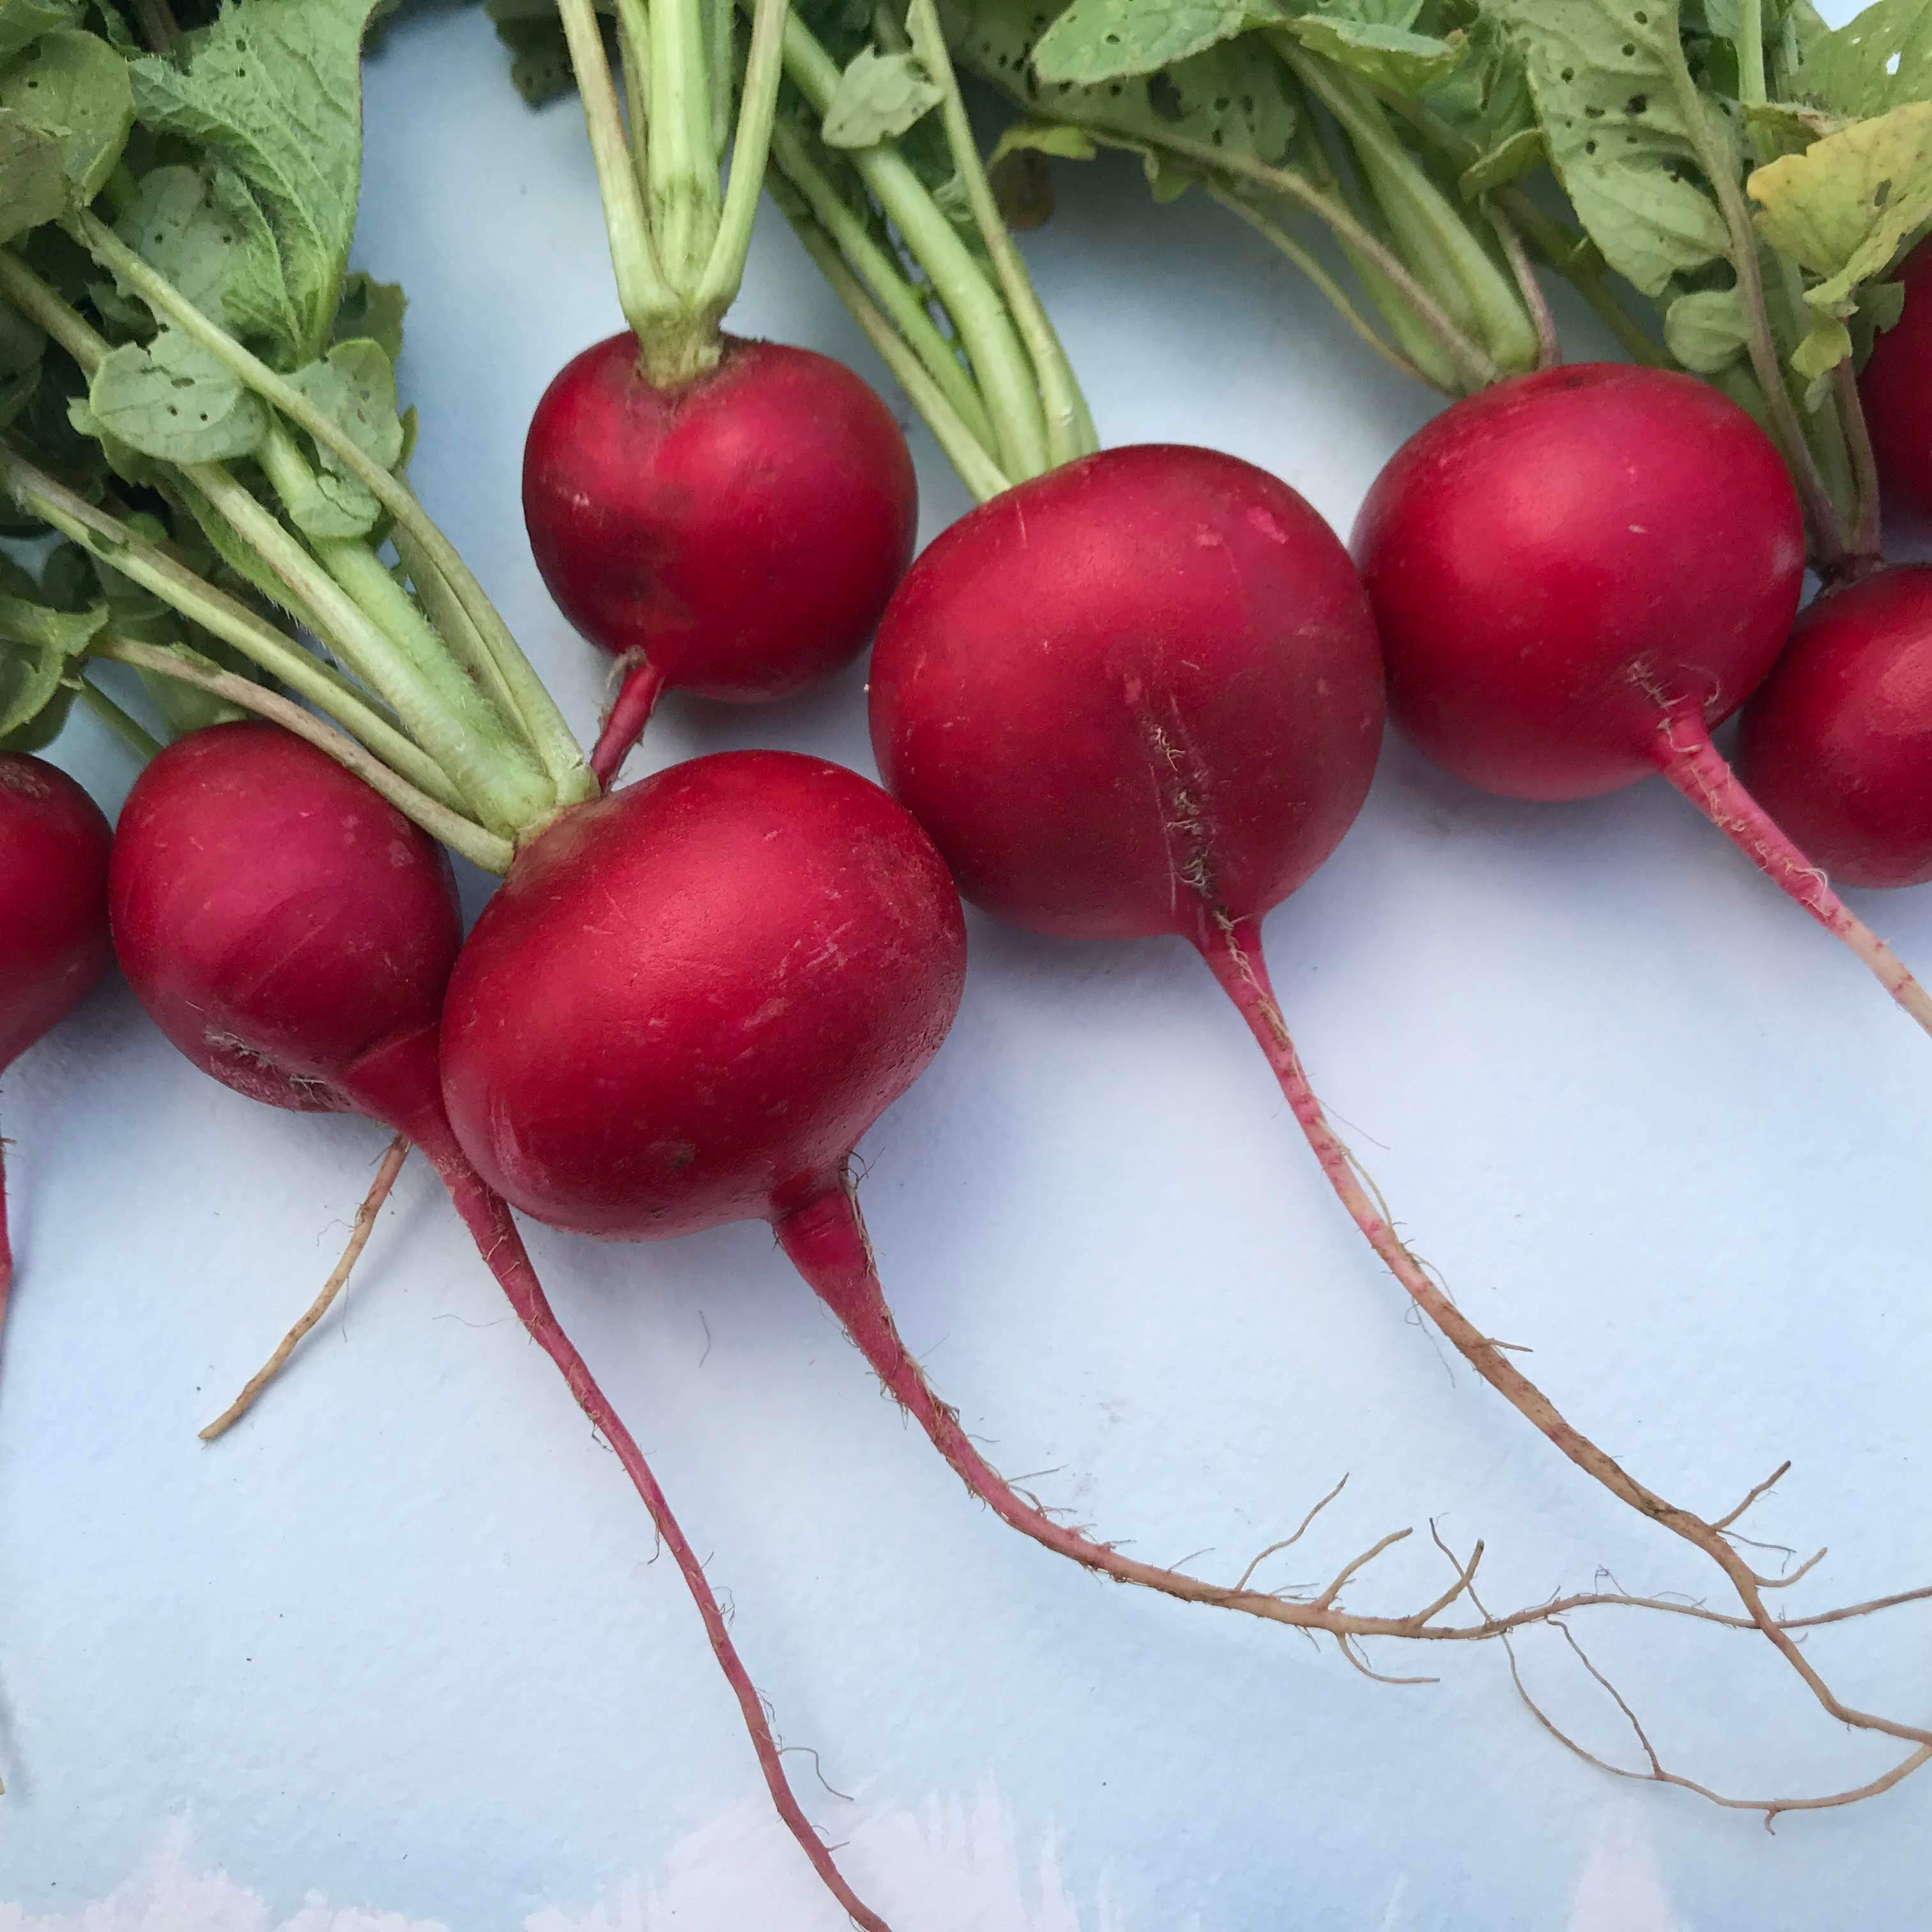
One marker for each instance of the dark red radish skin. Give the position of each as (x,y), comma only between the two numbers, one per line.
(1895,389)
(690,999)
(1837,743)
(737,537)
(1157,663)
(1576,575)
(54,947)
(316,983)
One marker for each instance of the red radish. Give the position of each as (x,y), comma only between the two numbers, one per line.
(737,537)
(317,983)
(1577,574)
(1895,387)
(1141,695)
(1837,743)
(53,916)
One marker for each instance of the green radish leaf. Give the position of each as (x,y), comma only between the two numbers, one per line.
(1793,124)
(878,98)
(1827,344)
(355,386)
(171,398)
(22,349)
(1221,97)
(38,646)
(23,22)
(119,35)
(1707,330)
(1881,60)
(74,85)
(372,310)
(1881,303)
(1604,75)
(274,87)
(127,462)
(208,244)
(33,186)
(1842,209)
(1096,40)
(1509,161)
(1393,57)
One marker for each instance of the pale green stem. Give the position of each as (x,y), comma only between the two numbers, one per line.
(757,108)
(1864,461)
(130,731)
(543,725)
(1751,52)
(683,170)
(151,566)
(451,620)
(1450,259)
(1067,417)
(1536,303)
(1827,526)
(881,274)
(450,828)
(1278,238)
(963,449)
(999,365)
(721,55)
(635,59)
(439,708)
(643,293)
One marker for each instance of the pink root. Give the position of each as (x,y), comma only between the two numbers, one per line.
(637,693)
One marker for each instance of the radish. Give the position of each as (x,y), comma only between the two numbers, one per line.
(1895,387)
(53,916)
(725,517)
(1576,576)
(736,537)
(1837,743)
(316,983)
(1142,695)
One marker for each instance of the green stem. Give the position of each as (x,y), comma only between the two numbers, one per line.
(963,449)
(634,60)
(643,293)
(1472,362)
(459,833)
(1713,157)
(906,306)
(151,566)
(452,622)
(1278,237)
(1536,303)
(1069,425)
(1447,258)
(134,735)
(542,725)
(438,707)
(1751,52)
(682,167)
(1864,461)
(999,365)
(724,272)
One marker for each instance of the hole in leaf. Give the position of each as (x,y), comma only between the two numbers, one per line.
(1636,103)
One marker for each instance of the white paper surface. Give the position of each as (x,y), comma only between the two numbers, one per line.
(393,1654)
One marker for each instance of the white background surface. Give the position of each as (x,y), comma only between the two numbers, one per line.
(396,1644)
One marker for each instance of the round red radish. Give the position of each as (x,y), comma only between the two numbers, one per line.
(53,914)
(737,537)
(1560,562)
(1837,743)
(689,1000)
(289,930)
(1895,387)
(1134,693)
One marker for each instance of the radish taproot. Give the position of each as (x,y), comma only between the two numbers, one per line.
(1576,576)
(317,983)
(54,945)
(1836,744)
(724,516)
(1141,695)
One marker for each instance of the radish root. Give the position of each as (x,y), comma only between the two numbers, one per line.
(639,685)
(1232,951)
(488,1221)
(1687,758)
(389,1167)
